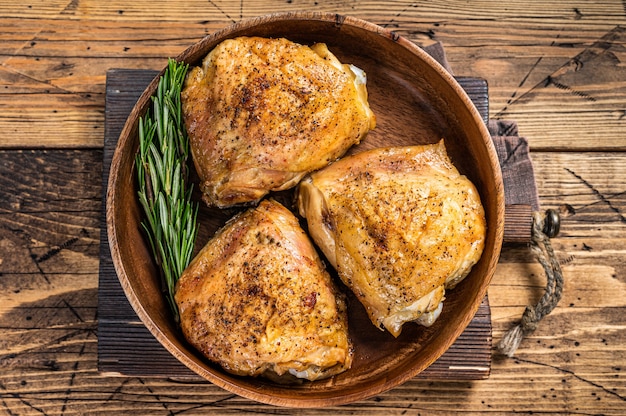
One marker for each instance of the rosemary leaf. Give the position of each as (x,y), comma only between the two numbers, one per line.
(165,197)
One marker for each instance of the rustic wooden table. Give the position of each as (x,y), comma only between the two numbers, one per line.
(556,68)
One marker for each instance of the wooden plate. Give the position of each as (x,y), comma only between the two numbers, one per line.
(416,101)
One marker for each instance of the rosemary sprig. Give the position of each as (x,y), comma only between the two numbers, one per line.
(162,173)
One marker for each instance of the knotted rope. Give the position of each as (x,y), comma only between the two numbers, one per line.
(544,226)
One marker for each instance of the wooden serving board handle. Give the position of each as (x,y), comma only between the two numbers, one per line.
(126,347)
(518,224)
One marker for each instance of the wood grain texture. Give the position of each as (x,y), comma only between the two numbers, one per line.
(518,224)
(126,347)
(53,67)
(573,363)
(557,68)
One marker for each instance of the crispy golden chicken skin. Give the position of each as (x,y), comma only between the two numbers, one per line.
(261,113)
(258,300)
(400,225)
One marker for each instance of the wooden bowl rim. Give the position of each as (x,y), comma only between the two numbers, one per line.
(215,377)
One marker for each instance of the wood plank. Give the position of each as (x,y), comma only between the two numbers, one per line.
(531,59)
(517,10)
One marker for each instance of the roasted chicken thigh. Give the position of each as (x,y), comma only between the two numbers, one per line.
(400,225)
(258,301)
(262,113)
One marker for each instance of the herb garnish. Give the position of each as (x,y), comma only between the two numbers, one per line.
(164,189)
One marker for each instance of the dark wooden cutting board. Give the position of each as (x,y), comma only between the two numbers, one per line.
(127,348)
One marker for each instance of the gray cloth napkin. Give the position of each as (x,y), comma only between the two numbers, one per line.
(517,167)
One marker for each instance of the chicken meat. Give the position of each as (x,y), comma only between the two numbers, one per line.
(400,225)
(261,113)
(258,301)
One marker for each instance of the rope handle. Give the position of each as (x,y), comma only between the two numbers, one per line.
(545,226)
